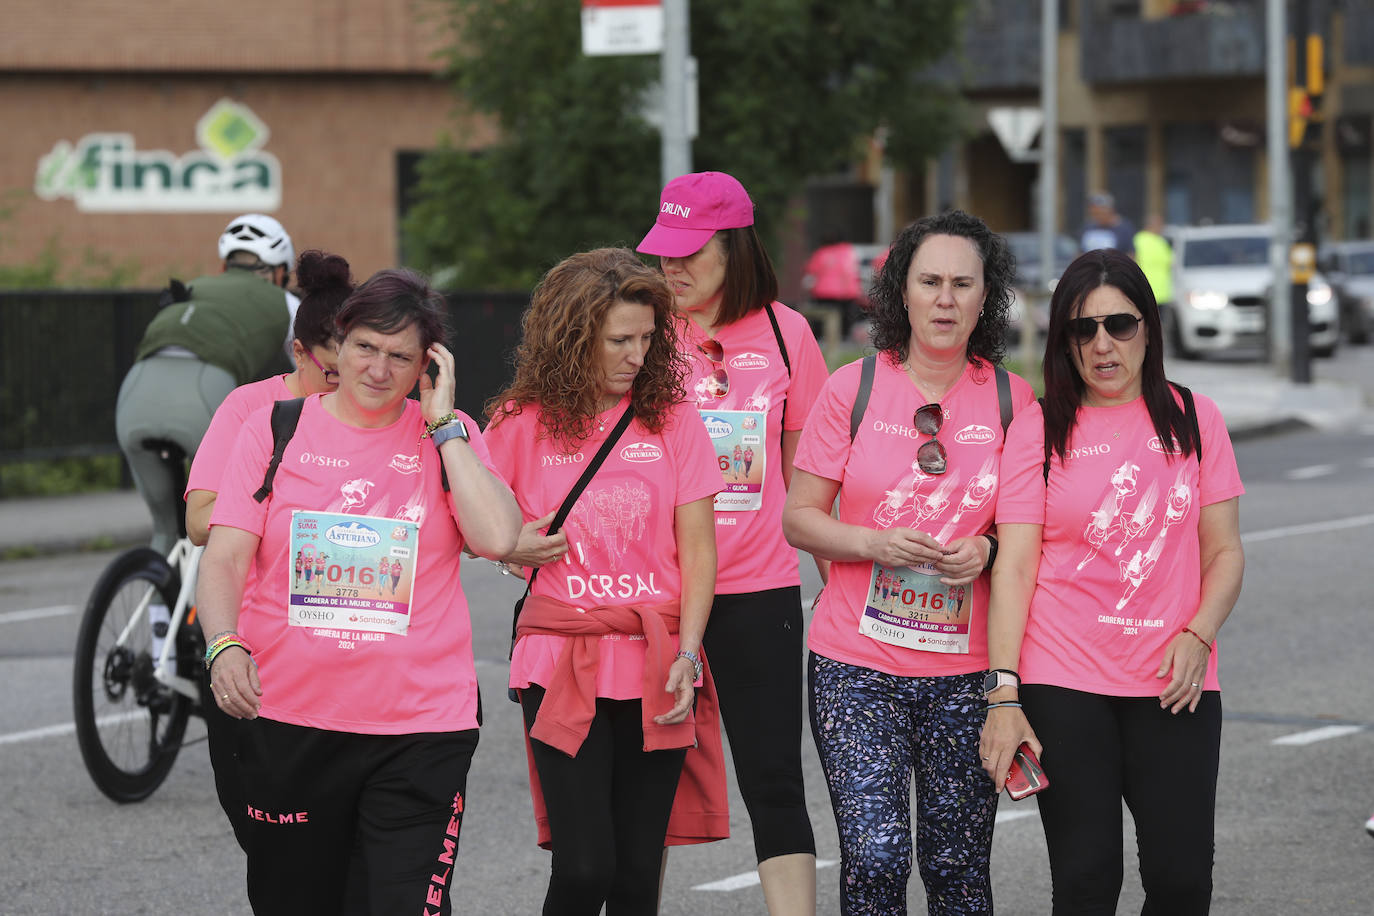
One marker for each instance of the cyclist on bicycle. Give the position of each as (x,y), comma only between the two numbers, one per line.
(227,332)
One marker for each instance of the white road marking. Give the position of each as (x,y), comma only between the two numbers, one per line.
(748,879)
(1312,736)
(1311,471)
(37,613)
(1335,524)
(1005,816)
(66,728)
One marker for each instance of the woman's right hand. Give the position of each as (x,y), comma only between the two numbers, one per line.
(535,549)
(1006,727)
(893,547)
(234,680)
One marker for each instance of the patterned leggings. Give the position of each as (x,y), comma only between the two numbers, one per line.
(877,732)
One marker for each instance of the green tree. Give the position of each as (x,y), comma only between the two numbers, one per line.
(788,89)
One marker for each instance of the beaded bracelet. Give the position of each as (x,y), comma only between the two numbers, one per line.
(431,427)
(1004,703)
(1193,633)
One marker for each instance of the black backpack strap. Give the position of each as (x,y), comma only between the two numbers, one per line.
(1045,469)
(285,416)
(1003,397)
(569,501)
(856,413)
(782,348)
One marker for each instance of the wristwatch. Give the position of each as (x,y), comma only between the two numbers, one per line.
(992,551)
(452,429)
(1000,677)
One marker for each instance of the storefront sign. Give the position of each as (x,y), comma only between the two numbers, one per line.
(107,173)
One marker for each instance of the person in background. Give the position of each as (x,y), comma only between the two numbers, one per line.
(898,641)
(225,330)
(1120,561)
(325,283)
(755,371)
(1155,256)
(1105,227)
(358,715)
(607,658)
(831,279)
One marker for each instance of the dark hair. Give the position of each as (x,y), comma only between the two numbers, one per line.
(557,366)
(325,281)
(392,300)
(1064,385)
(891,325)
(750,282)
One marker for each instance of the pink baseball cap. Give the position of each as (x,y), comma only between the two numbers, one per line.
(691,209)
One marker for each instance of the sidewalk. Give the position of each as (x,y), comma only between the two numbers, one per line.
(1254,401)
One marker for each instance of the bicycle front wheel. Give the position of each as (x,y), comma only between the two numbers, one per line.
(128,724)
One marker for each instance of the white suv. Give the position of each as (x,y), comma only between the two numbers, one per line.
(1222,282)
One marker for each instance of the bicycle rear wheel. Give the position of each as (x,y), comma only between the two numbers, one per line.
(128,724)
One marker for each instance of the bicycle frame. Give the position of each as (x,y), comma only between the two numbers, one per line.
(183,556)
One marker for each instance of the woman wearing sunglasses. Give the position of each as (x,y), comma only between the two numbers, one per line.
(898,644)
(1120,560)
(755,372)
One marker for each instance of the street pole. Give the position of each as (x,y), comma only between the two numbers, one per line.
(1304,212)
(676,158)
(1280,190)
(1049,171)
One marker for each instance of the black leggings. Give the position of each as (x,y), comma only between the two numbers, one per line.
(754,644)
(1100,750)
(608,812)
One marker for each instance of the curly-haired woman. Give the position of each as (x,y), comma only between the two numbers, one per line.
(607,652)
(897,685)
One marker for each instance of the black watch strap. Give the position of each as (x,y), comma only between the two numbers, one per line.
(992,551)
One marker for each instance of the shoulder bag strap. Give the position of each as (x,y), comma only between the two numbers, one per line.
(1003,397)
(856,413)
(571,499)
(782,348)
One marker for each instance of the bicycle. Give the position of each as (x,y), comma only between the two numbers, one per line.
(134,688)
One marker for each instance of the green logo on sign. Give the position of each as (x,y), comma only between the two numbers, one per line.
(230,129)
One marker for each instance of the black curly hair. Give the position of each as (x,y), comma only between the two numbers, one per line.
(891,326)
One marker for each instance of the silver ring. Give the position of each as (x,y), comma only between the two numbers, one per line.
(1196,684)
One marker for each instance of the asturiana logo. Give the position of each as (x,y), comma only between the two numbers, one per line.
(717,427)
(641,452)
(749,361)
(1156,444)
(354,535)
(973,434)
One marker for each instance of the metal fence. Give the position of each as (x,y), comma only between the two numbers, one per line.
(63,354)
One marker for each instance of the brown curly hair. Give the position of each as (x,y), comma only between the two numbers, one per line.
(558,366)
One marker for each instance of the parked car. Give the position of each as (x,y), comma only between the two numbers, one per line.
(1222,286)
(1349,268)
(1030,285)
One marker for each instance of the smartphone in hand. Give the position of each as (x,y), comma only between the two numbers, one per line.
(1026,776)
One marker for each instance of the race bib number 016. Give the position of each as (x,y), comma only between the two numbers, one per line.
(352,572)
(909,607)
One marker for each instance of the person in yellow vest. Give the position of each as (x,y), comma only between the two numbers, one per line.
(221,331)
(1155,256)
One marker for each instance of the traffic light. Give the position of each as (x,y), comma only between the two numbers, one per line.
(1299,111)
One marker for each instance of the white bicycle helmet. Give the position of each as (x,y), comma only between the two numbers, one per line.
(262,235)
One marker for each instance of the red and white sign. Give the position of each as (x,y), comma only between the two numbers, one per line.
(612,27)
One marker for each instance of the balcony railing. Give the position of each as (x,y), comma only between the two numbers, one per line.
(1130,50)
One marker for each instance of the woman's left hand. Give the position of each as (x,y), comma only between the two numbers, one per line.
(963,561)
(1185,664)
(436,395)
(681,676)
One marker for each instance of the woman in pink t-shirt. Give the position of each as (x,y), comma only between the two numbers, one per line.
(357,715)
(898,641)
(755,372)
(1121,559)
(609,639)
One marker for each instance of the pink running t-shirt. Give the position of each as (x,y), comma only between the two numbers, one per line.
(751,552)
(331,677)
(622,547)
(882,487)
(1119,561)
(218,443)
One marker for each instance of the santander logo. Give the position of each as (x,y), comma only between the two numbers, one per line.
(973,434)
(641,452)
(749,361)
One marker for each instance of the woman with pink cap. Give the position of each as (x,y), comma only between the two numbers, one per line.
(755,371)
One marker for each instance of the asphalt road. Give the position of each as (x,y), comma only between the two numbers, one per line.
(1296,747)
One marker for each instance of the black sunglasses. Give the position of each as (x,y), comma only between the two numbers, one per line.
(1121,326)
(720,379)
(930,457)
